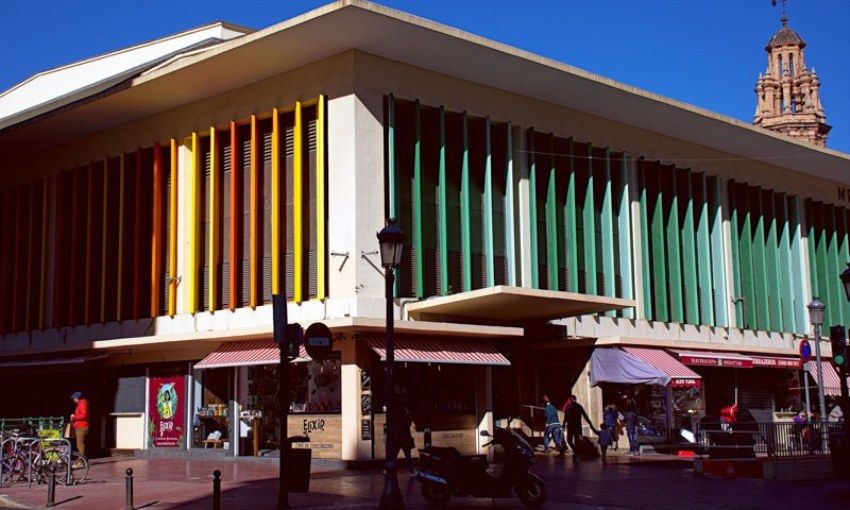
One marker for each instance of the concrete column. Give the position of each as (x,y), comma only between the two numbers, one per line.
(522,206)
(588,396)
(146,419)
(233,413)
(369,204)
(484,408)
(352,446)
(188,422)
(342,204)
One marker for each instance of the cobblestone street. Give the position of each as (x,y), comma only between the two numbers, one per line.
(185,485)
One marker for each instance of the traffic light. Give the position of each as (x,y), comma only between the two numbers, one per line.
(838,339)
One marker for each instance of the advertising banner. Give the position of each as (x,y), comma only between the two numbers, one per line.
(165,412)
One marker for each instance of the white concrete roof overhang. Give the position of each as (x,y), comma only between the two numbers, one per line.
(506,304)
(211,339)
(355,24)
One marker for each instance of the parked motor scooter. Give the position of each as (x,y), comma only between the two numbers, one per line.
(445,473)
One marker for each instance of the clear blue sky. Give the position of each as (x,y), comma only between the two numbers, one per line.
(704,52)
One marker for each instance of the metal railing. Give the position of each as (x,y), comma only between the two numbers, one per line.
(37,423)
(761,439)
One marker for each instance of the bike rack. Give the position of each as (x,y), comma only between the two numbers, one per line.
(3,444)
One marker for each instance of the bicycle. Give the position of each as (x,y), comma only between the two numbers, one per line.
(55,459)
(13,461)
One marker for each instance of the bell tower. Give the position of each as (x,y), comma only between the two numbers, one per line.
(787,93)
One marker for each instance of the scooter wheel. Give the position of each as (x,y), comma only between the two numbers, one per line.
(532,492)
(436,494)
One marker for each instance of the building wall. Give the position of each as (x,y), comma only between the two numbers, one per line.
(682,229)
(710,228)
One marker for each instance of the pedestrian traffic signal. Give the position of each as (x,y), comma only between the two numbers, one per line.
(838,339)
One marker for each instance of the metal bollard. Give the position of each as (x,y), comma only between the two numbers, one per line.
(216,490)
(128,489)
(51,487)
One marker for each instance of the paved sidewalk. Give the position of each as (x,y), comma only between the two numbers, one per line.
(187,485)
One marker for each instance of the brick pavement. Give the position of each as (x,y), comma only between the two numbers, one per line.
(186,485)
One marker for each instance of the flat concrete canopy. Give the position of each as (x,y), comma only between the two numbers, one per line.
(503,303)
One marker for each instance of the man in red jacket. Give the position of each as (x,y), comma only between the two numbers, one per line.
(80,420)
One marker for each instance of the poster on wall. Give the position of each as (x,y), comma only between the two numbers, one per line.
(165,412)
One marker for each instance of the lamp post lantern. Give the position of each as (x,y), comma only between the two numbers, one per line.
(816,309)
(391,240)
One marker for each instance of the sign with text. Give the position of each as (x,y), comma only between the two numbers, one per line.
(165,412)
(711,361)
(773,362)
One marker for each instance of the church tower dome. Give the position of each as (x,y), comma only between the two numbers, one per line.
(787,93)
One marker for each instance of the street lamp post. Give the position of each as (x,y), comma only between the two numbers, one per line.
(391,240)
(816,308)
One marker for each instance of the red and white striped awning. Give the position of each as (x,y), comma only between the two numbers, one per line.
(246,353)
(714,359)
(831,380)
(680,375)
(441,351)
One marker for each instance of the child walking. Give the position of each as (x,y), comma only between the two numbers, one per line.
(606,437)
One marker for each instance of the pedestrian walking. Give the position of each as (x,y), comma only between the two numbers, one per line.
(572,424)
(630,419)
(403,437)
(610,418)
(80,420)
(553,426)
(606,438)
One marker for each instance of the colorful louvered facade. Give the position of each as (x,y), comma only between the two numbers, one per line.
(98,243)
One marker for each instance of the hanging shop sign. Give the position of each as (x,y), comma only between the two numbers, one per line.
(716,361)
(165,412)
(776,362)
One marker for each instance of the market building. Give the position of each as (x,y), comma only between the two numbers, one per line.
(565,234)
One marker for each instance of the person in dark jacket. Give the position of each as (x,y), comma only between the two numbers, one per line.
(403,437)
(553,427)
(630,419)
(572,424)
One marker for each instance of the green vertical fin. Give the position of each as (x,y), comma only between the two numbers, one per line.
(624,228)
(443,197)
(465,212)
(589,219)
(510,218)
(674,253)
(607,224)
(552,219)
(419,259)
(689,259)
(489,253)
(704,264)
(532,210)
(570,220)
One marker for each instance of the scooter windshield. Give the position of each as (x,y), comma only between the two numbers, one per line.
(521,441)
